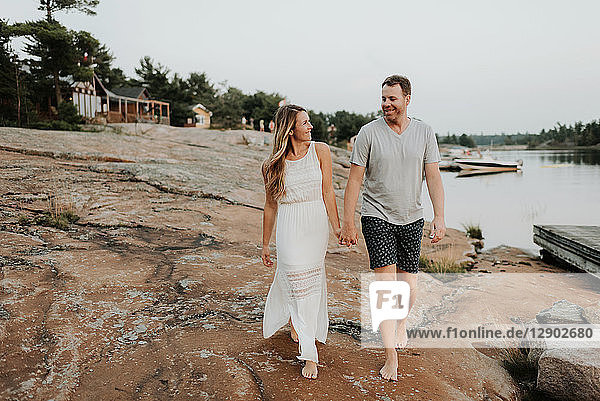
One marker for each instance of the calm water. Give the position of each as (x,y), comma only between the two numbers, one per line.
(554,187)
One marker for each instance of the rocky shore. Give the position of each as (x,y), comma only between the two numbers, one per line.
(156,291)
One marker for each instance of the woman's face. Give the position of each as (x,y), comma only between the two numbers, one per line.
(302,130)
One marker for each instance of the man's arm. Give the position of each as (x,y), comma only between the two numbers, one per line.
(436,193)
(349,235)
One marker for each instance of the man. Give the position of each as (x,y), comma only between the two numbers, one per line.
(395,152)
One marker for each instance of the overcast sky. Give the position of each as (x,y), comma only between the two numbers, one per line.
(476,66)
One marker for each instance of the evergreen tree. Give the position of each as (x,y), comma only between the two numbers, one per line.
(52,6)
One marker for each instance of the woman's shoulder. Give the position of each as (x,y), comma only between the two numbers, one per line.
(322,150)
(321,146)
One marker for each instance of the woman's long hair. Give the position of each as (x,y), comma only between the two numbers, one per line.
(274,166)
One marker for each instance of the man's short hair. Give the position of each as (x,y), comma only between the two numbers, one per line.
(398,80)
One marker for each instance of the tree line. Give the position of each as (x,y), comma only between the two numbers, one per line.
(33,87)
(578,134)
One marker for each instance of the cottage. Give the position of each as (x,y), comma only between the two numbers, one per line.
(201,118)
(126,104)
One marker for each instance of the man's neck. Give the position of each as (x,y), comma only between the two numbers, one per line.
(398,125)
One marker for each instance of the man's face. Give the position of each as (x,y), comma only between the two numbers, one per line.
(393,101)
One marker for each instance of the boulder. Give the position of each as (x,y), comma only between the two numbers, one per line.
(562,312)
(592,314)
(570,374)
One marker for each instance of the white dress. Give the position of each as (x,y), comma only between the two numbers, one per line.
(299,289)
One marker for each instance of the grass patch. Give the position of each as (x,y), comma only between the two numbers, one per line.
(473,230)
(517,362)
(524,370)
(61,220)
(24,220)
(442,268)
(56,215)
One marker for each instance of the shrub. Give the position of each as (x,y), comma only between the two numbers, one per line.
(67,112)
(60,221)
(473,230)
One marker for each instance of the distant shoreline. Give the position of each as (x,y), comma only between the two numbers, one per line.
(525,147)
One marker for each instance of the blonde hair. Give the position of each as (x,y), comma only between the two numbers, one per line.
(274,167)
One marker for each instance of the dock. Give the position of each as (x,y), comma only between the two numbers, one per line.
(579,246)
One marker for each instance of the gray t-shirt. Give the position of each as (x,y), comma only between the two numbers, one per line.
(395,168)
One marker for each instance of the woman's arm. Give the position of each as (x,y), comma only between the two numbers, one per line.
(324,155)
(269,213)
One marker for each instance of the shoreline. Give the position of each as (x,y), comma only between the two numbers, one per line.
(161,272)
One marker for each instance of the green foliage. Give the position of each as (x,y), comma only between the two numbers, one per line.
(61,220)
(8,83)
(319,123)
(228,108)
(467,141)
(56,56)
(449,139)
(441,268)
(261,106)
(348,124)
(54,125)
(578,134)
(67,112)
(52,6)
(181,93)
(473,230)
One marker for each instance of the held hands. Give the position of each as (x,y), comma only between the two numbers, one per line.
(348,235)
(437,230)
(266,256)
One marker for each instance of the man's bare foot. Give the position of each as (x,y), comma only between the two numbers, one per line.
(389,371)
(293,333)
(310,370)
(401,336)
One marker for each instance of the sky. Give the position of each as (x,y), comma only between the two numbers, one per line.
(476,66)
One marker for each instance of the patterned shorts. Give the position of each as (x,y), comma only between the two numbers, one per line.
(390,244)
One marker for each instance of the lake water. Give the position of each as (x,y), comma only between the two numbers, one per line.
(554,187)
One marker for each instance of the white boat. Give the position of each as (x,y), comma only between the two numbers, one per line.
(487,162)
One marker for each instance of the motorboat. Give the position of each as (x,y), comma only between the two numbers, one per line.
(487,162)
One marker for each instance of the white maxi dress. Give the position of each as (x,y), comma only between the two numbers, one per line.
(299,288)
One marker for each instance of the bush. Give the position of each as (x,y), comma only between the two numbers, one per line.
(60,125)
(473,231)
(67,112)
(57,125)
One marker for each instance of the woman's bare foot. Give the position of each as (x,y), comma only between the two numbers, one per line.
(293,333)
(389,371)
(310,370)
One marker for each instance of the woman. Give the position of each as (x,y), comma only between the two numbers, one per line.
(299,194)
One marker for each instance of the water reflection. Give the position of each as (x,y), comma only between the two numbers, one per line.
(591,157)
(554,187)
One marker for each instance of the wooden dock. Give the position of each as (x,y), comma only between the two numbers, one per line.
(579,246)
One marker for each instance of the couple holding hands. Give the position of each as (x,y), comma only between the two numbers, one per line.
(392,154)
